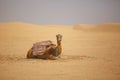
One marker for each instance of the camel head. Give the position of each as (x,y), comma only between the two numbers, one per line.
(59,37)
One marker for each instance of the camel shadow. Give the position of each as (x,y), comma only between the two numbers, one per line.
(64,58)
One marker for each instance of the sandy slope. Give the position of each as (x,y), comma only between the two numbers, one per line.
(86,55)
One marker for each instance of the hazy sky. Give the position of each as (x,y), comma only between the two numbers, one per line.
(63,12)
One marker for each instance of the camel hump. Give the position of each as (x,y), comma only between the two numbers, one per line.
(39,48)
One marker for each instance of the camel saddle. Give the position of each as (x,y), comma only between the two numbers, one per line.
(39,48)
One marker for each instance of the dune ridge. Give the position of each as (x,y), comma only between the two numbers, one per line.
(98,27)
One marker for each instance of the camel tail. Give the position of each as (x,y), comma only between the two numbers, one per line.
(29,54)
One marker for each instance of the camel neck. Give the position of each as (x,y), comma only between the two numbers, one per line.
(59,48)
(58,43)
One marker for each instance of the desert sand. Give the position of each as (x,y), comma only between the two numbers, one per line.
(89,52)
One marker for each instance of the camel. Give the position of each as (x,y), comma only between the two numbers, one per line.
(51,50)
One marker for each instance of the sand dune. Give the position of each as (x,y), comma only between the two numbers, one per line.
(87,55)
(99,27)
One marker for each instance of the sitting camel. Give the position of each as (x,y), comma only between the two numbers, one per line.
(46,49)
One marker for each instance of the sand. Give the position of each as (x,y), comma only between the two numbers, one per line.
(87,55)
